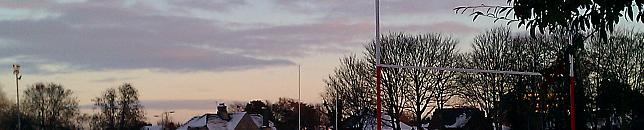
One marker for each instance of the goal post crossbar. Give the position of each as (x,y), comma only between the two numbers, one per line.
(463,70)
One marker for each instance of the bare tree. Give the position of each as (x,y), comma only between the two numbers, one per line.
(395,49)
(415,90)
(351,87)
(7,111)
(488,53)
(51,106)
(131,111)
(107,103)
(427,86)
(622,57)
(120,108)
(499,49)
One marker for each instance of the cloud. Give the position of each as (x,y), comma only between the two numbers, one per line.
(356,9)
(18,14)
(116,36)
(211,5)
(168,35)
(197,104)
(114,79)
(443,27)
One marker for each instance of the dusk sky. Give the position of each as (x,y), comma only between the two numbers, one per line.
(187,54)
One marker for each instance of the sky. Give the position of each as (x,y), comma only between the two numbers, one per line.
(189,55)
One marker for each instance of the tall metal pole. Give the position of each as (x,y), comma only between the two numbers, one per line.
(336,111)
(18,101)
(299,100)
(16,71)
(378,69)
(572,81)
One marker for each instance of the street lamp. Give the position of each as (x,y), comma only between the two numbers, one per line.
(16,71)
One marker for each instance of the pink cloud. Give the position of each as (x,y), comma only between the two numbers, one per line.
(103,34)
(438,27)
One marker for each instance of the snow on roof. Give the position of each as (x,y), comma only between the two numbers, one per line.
(259,120)
(460,121)
(213,121)
(386,125)
(234,119)
(197,121)
(152,127)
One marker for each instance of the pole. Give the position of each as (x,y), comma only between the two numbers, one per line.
(165,119)
(378,69)
(299,100)
(16,71)
(378,99)
(572,81)
(336,111)
(377,46)
(18,101)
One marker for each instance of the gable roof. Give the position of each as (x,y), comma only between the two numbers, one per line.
(369,123)
(215,122)
(466,118)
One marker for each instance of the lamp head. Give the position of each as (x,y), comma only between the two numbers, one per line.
(16,68)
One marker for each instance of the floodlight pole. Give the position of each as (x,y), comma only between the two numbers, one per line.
(16,71)
(18,101)
(378,69)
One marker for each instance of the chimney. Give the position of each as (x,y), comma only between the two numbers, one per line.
(265,119)
(223,112)
(265,115)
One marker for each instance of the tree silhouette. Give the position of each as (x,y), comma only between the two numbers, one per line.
(51,106)
(418,90)
(286,114)
(599,15)
(120,109)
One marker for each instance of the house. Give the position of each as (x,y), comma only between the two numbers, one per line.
(228,121)
(369,123)
(459,119)
(152,127)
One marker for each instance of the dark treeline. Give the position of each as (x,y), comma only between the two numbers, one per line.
(50,106)
(608,80)
(284,112)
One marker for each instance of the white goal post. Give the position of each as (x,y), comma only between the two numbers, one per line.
(464,70)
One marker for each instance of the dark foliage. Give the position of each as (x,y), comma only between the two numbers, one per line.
(578,15)
(259,107)
(616,101)
(286,115)
(120,109)
(51,106)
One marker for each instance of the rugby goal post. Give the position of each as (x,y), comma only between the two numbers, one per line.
(379,67)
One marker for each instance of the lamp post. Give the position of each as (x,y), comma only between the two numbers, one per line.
(164,118)
(299,100)
(16,71)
